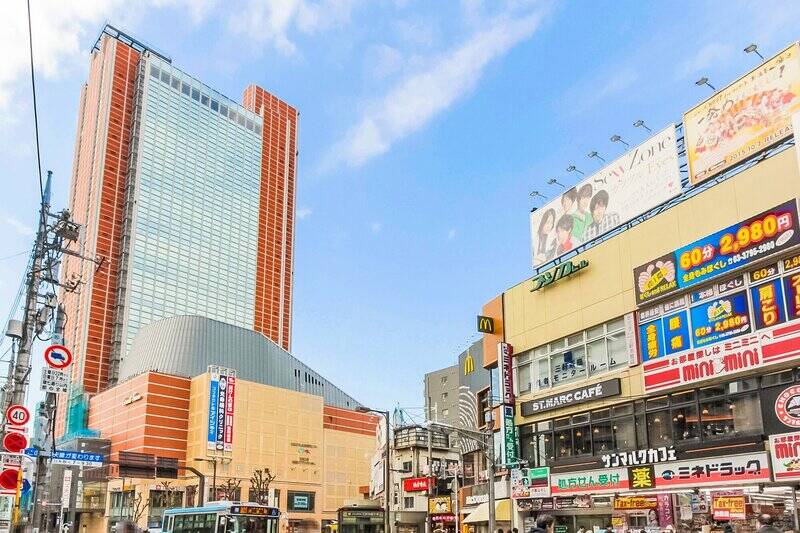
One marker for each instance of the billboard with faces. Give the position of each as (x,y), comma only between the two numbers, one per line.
(644,177)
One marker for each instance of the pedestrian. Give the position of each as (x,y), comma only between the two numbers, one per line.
(514,530)
(545,523)
(500,530)
(728,528)
(609,528)
(581,530)
(765,524)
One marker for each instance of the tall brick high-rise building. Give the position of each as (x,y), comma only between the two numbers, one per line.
(187,199)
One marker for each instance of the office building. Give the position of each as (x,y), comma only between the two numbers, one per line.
(187,202)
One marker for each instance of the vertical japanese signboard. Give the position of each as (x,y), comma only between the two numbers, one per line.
(505,363)
(221,398)
(745,118)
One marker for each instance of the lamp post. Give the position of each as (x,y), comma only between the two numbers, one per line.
(213,460)
(486,441)
(386,468)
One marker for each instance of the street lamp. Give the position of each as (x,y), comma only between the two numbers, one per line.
(573,168)
(486,441)
(213,460)
(640,124)
(704,81)
(752,48)
(386,468)
(617,139)
(553,181)
(594,154)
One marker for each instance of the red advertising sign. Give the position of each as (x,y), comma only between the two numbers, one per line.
(733,356)
(728,505)
(505,361)
(785,455)
(230,394)
(417,484)
(724,470)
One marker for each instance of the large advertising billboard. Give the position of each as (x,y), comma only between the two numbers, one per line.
(736,246)
(745,118)
(221,397)
(644,177)
(722,329)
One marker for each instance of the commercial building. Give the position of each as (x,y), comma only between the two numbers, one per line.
(187,200)
(226,401)
(655,350)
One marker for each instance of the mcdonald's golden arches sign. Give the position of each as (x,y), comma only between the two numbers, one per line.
(485,324)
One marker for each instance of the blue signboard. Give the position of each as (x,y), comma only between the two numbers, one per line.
(651,341)
(722,318)
(765,234)
(676,332)
(768,304)
(66,457)
(213,399)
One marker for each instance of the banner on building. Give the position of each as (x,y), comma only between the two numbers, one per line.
(634,503)
(728,505)
(505,363)
(530,483)
(724,470)
(736,246)
(591,481)
(745,118)
(644,177)
(221,398)
(785,450)
(508,430)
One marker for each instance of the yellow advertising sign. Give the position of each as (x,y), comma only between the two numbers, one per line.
(744,118)
(440,505)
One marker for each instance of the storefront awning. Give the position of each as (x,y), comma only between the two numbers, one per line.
(502,512)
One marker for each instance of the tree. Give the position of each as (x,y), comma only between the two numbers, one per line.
(230,489)
(139,505)
(260,481)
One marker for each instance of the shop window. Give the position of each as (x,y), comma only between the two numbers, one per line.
(659,429)
(685,424)
(582,440)
(624,433)
(603,436)
(597,356)
(545,448)
(569,366)
(733,415)
(408,502)
(778,378)
(563,443)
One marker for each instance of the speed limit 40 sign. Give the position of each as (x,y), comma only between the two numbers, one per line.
(18,415)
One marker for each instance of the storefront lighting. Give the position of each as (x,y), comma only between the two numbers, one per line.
(596,430)
(614,427)
(705,411)
(680,416)
(731,407)
(578,434)
(674,418)
(657,420)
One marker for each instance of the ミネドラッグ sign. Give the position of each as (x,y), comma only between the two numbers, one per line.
(604,389)
(642,178)
(785,450)
(736,246)
(724,470)
(743,119)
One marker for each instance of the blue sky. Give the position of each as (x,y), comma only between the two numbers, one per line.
(424,127)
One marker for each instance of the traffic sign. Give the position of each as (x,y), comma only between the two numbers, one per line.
(18,415)
(66,457)
(9,478)
(15,441)
(58,356)
(54,380)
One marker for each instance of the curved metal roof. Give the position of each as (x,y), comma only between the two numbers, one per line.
(187,345)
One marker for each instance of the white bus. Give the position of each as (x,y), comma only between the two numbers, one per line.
(222,517)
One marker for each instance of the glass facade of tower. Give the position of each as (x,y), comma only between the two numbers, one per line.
(195,222)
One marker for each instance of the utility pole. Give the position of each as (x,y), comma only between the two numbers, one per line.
(428,525)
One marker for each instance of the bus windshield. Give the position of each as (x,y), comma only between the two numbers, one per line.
(247,524)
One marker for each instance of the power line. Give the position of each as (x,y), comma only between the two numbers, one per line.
(35,111)
(14,255)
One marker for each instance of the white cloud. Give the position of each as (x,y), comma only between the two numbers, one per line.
(706,57)
(375,227)
(451,234)
(60,31)
(19,227)
(272,21)
(387,61)
(304,212)
(420,96)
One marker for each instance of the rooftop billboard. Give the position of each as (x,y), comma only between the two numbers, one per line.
(743,119)
(644,177)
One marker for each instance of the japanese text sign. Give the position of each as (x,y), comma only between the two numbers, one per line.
(785,449)
(744,118)
(725,470)
(592,481)
(736,246)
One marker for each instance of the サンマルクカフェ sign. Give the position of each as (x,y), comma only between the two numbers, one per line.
(639,457)
(560,271)
(604,389)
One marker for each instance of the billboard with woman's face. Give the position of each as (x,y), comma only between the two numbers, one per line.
(644,177)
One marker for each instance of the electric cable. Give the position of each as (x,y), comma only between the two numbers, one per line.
(35,110)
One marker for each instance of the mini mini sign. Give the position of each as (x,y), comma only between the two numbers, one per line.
(560,271)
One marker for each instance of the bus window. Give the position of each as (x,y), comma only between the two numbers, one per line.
(246,524)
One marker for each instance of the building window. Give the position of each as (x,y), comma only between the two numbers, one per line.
(406,466)
(444,380)
(300,501)
(444,396)
(584,354)
(445,412)
(408,502)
